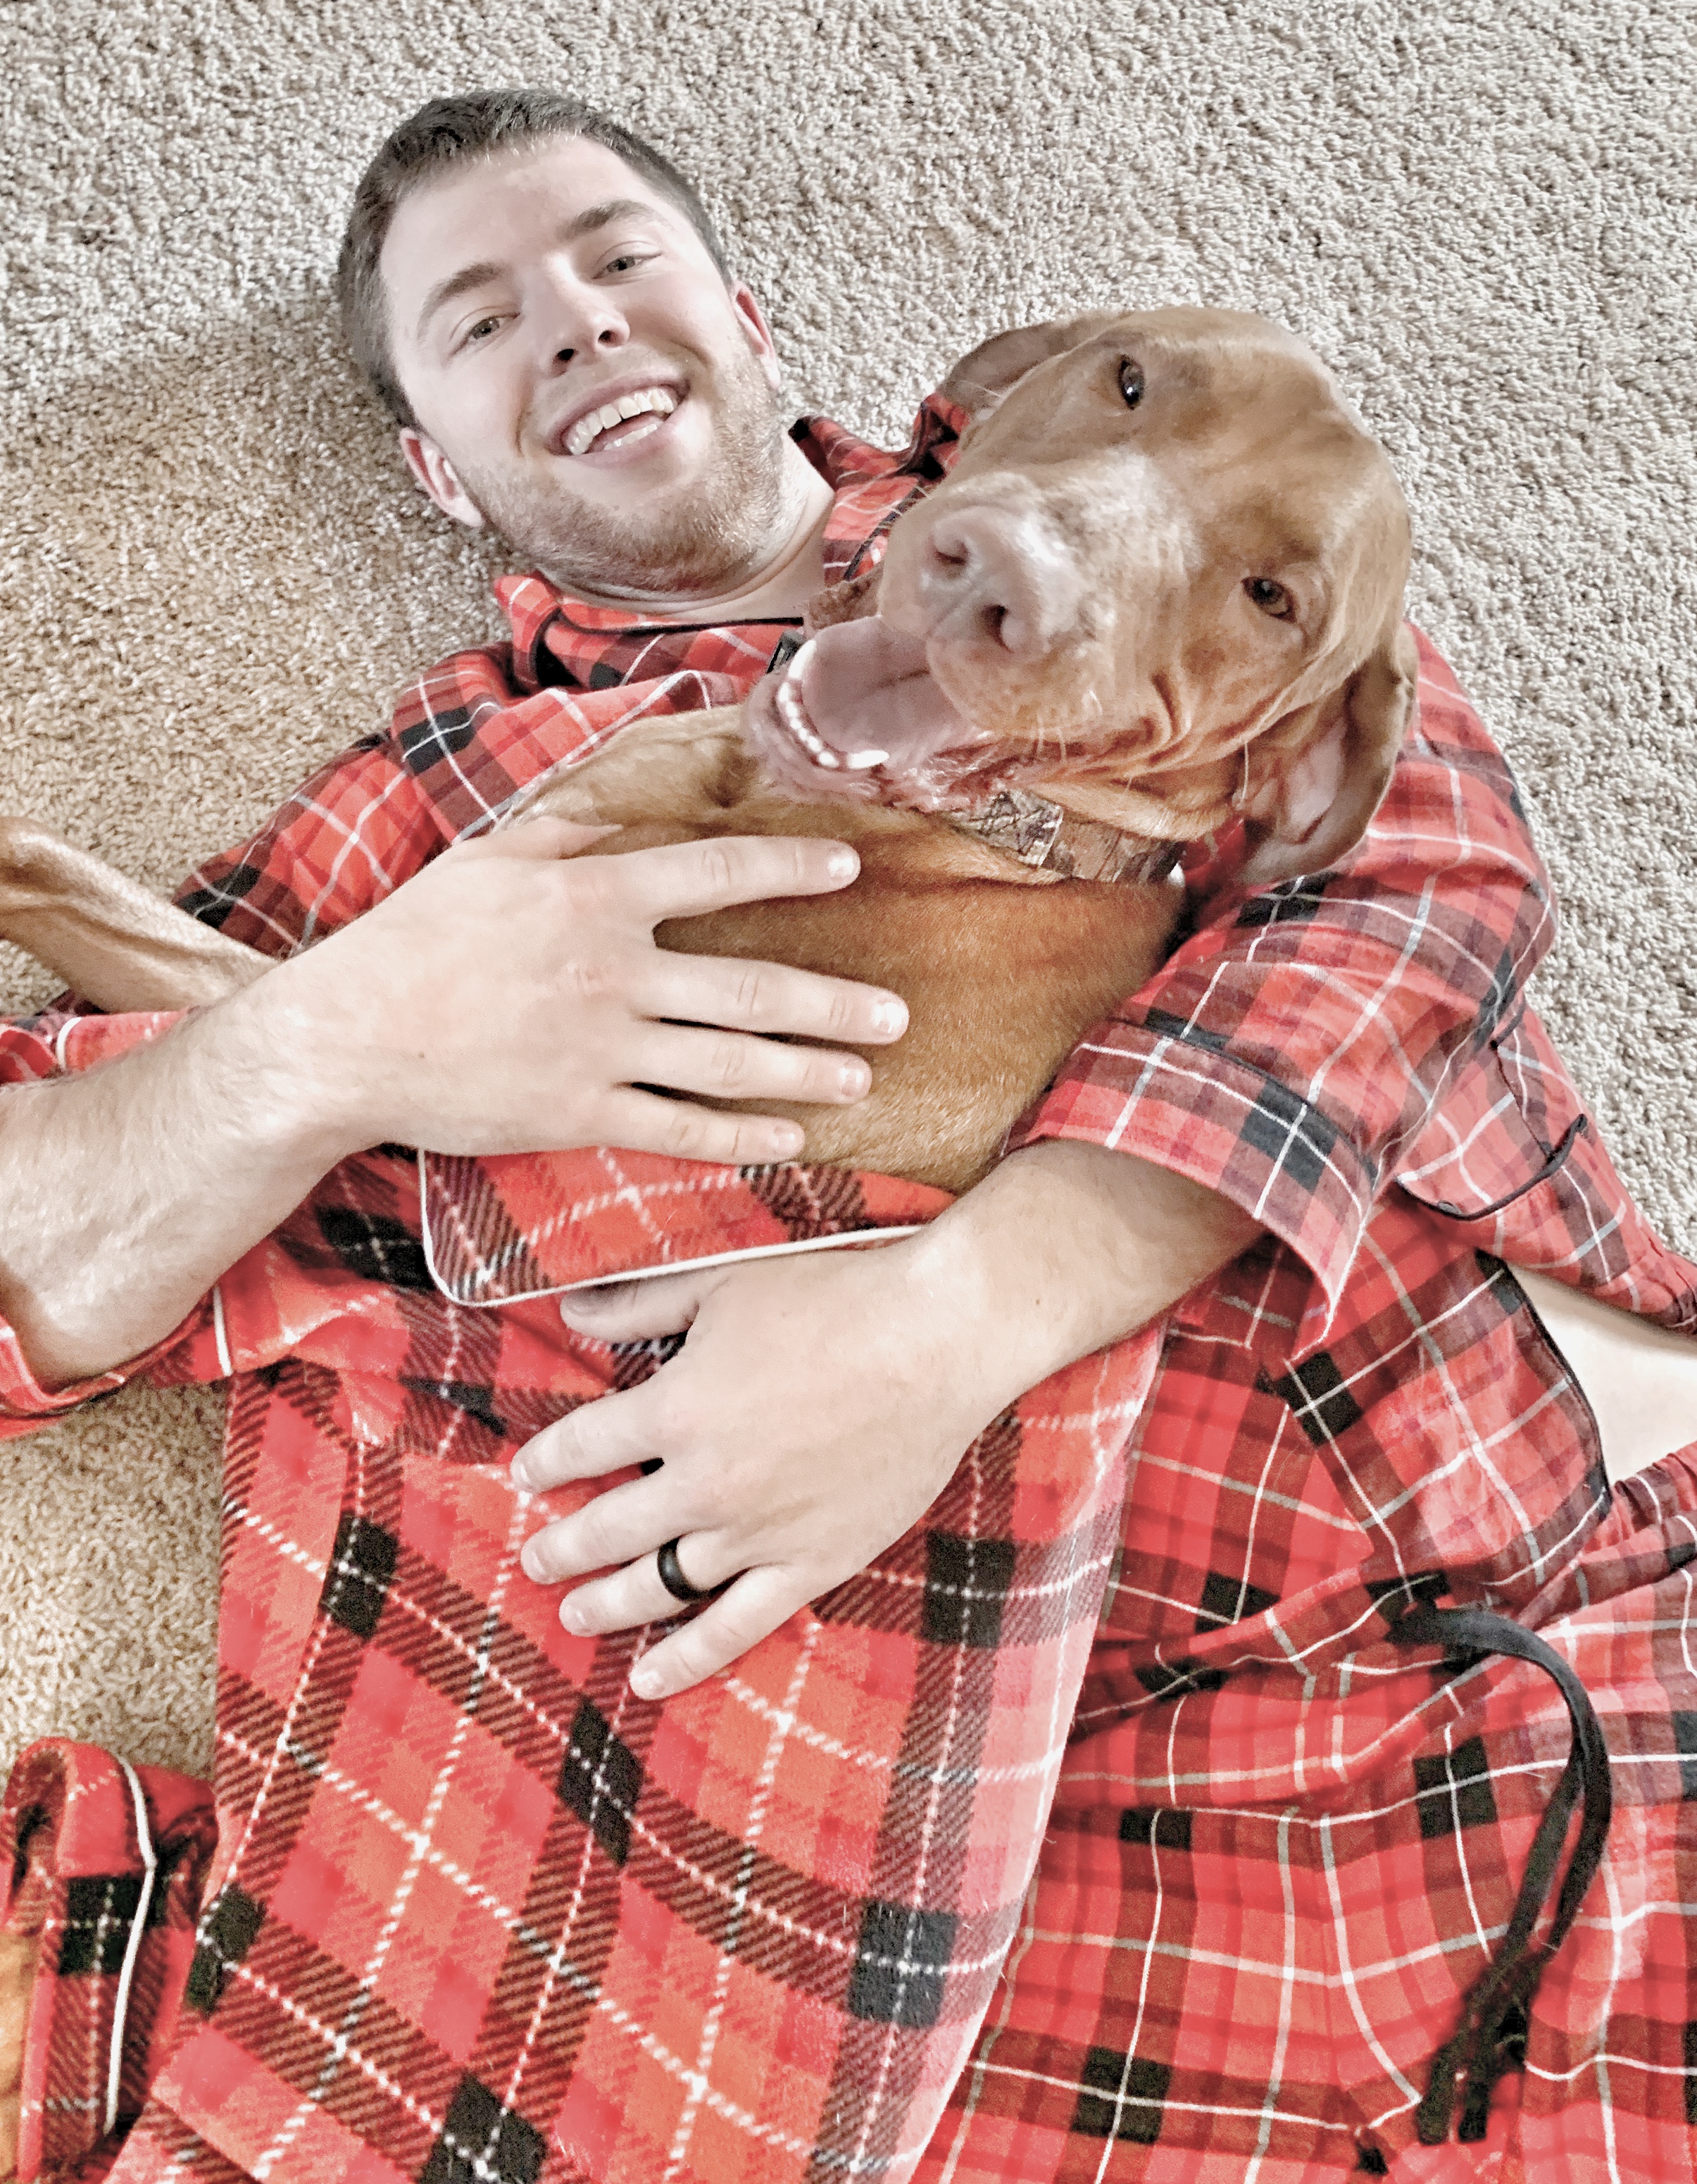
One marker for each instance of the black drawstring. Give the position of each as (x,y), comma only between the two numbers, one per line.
(1480,2048)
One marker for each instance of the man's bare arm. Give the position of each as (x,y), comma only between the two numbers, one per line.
(820,1405)
(508,999)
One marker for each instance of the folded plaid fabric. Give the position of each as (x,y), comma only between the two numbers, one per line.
(107,1864)
(530,1225)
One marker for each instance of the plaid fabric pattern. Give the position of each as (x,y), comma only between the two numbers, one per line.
(526,1225)
(1281,1844)
(476,1912)
(106,1868)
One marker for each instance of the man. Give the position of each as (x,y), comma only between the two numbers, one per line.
(1344,1417)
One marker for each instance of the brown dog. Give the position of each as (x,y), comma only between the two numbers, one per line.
(1161,590)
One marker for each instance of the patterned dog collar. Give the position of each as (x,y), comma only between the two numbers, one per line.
(1042,834)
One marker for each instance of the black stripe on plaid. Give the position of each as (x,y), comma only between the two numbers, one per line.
(213,904)
(362,1565)
(1453,1790)
(1684,1724)
(1226,1599)
(375,1247)
(226,1934)
(443,735)
(99,1911)
(483,2142)
(475,1398)
(1122,2097)
(1160,1827)
(1318,1399)
(600,1780)
(1291,902)
(902,1964)
(966,1586)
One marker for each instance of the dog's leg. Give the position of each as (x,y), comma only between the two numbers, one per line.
(686,769)
(107,936)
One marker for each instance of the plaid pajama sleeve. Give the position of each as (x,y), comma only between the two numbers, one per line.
(1293,1048)
(464,743)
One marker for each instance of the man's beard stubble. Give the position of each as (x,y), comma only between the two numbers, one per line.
(704,545)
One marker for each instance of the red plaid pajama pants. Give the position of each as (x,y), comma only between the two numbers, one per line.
(476,1912)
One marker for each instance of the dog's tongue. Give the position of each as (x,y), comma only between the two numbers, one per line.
(869,699)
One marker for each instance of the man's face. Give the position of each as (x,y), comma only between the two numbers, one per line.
(528,296)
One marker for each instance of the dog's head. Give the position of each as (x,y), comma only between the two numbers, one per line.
(1169,562)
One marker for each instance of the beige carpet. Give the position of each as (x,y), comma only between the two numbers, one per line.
(213,573)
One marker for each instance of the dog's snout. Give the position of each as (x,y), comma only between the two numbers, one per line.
(1002,576)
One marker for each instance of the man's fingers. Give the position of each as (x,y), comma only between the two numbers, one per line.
(769,997)
(622,1525)
(592,1440)
(638,1311)
(685,879)
(626,1597)
(730,1065)
(643,1123)
(749,1610)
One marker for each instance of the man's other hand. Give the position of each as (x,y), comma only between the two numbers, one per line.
(812,1416)
(511,998)
(820,1404)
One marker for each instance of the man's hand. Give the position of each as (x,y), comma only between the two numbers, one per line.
(819,1405)
(511,998)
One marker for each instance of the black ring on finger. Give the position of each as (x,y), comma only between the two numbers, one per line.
(672,1577)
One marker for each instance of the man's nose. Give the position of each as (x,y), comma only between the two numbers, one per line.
(999,576)
(580,320)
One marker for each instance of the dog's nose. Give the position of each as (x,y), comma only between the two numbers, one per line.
(999,576)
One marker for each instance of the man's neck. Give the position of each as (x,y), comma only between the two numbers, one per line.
(783,583)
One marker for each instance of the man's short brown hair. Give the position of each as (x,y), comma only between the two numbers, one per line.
(449,132)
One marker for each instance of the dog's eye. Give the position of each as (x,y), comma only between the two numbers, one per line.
(1271,598)
(1131,381)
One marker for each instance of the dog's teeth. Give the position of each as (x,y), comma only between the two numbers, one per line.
(793,713)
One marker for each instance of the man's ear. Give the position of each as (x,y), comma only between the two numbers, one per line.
(981,380)
(757,333)
(1315,778)
(437,474)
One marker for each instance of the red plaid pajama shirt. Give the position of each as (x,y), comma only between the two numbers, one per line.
(476,1912)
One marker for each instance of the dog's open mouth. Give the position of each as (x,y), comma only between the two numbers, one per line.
(792,712)
(858,717)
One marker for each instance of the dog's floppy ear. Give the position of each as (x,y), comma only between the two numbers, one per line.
(854,599)
(1315,779)
(979,381)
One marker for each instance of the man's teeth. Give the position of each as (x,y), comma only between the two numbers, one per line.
(794,715)
(589,429)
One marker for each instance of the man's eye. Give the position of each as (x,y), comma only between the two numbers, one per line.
(628,261)
(1271,598)
(480,329)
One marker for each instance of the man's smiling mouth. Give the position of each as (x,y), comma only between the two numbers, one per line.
(620,422)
